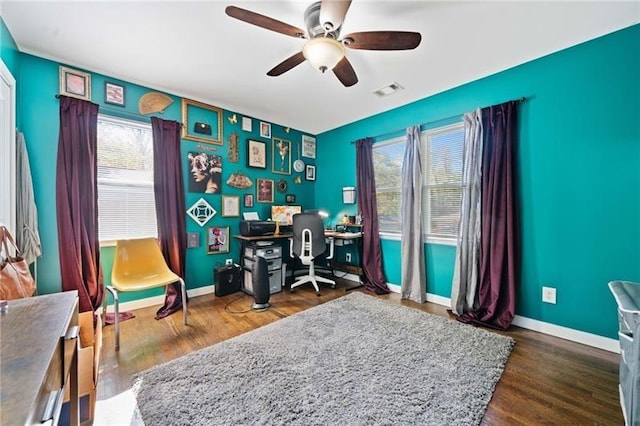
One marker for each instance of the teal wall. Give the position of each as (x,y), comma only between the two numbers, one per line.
(39,110)
(578,176)
(578,160)
(8,49)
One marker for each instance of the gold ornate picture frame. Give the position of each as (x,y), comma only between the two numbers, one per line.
(201,122)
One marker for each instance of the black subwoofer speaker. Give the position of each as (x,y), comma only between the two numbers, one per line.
(226,279)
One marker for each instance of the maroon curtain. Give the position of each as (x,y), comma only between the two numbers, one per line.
(170,206)
(367,204)
(77,201)
(500,249)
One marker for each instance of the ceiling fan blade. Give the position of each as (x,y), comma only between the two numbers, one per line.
(345,73)
(264,21)
(286,65)
(332,13)
(382,40)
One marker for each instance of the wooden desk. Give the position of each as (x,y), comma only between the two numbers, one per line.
(347,236)
(38,358)
(327,233)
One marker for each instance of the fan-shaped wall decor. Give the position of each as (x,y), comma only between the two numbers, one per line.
(153,102)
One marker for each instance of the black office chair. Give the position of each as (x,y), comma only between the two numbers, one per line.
(307,244)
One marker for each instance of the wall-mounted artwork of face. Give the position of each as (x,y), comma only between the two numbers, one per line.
(206,172)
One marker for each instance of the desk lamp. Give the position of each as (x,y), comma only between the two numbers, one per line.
(323,214)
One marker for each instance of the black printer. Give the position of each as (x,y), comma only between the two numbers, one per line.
(256,228)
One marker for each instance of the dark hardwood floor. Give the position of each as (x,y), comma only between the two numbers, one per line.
(547,380)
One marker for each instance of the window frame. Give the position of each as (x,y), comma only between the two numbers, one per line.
(426,147)
(387,235)
(135,124)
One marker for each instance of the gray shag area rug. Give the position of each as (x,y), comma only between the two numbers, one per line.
(354,360)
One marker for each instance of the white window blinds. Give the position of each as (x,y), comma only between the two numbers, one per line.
(442,150)
(443,179)
(126,202)
(387,166)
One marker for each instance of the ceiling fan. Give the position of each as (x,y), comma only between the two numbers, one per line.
(324,48)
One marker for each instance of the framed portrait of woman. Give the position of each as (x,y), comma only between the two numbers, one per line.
(205,172)
(218,240)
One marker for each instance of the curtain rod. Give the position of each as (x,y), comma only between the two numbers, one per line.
(120,112)
(387,134)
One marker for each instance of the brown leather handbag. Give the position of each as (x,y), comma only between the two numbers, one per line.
(16,281)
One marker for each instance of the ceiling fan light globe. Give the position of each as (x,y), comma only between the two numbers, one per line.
(323,53)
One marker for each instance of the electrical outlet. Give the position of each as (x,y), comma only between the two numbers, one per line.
(348,257)
(228,262)
(549,295)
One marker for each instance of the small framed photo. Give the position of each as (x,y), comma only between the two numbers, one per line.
(218,240)
(246,124)
(248,200)
(281,156)
(308,146)
(230,206)
(75,83)
(113,94)
(193,239)
(256,154)
(264,190)
(265,130)
(290,198)
(310,172)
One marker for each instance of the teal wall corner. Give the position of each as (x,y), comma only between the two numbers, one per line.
(577,178)
(8,49)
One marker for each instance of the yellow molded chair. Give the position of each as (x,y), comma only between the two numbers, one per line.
(140,265)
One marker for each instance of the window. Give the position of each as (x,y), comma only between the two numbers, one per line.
(442,150)
(442,180)
(126,202)
(387,168)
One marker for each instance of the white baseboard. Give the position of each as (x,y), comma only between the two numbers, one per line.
(589,339)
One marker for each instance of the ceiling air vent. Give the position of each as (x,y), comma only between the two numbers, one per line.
(389,89)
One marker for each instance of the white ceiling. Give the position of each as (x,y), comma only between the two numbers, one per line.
(194,50)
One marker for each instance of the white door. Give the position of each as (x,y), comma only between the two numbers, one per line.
(7,149)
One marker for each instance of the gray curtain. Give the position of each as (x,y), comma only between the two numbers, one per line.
(414,283)
(464,296)
(499,258)
(28,237)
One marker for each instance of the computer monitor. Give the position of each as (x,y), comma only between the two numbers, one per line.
(284,214)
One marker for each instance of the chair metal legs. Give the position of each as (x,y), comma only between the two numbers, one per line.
(116,321)
(183,288)
(313,279)
(116,306)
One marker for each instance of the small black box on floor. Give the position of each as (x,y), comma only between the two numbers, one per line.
(226,279)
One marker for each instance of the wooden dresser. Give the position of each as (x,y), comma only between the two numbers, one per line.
(38,359)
